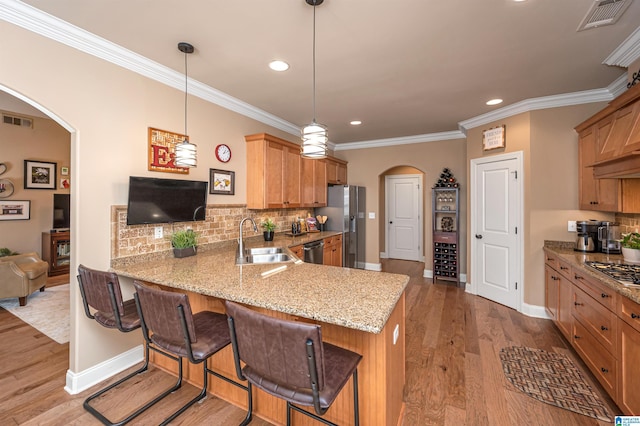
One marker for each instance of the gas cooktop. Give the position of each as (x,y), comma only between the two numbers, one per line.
(624,273)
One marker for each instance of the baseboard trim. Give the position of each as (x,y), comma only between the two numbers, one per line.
(78,382)
(373,267)
(534,311)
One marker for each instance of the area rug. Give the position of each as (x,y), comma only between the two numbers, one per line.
(553,379)
(47,311)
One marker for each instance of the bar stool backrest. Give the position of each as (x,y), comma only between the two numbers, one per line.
(277,348)
(95,285)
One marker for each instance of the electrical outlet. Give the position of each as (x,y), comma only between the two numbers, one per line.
(396,333)
(158,232)
(572,226)
(372,215)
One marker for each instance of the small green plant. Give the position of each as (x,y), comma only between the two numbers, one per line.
(6,252)
(268,224)
(183,239)
(631,240)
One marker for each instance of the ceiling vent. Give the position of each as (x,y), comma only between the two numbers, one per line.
(604,12)
(17,121)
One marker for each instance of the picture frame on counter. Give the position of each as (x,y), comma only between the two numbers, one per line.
(222,182)
(494,138)
(39,175)
(15,210)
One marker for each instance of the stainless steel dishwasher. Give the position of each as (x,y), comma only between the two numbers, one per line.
(313,252)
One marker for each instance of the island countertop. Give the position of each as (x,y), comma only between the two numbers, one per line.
(353,298)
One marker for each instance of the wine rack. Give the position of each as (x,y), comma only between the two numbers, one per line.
(446,224)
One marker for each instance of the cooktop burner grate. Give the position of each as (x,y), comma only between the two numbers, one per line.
(622,272)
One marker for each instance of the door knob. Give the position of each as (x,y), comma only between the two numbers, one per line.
(479,236)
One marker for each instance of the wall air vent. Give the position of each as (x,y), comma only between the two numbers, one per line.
(603,12)
(17,121)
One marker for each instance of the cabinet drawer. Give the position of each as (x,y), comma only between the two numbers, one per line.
(603,294)
(551,260)
(601,322)
(601,363)
(629,312)
(564,268)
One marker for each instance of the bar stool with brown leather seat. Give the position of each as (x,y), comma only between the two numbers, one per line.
(170,328)
(103,302)
(289,360)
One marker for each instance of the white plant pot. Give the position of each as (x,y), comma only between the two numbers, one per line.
(631,255)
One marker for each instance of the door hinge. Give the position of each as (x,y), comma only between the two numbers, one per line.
(516,285)
(516,230)
(418,187)
(515,174)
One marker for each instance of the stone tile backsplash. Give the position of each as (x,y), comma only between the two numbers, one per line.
(220,225)
(629,222)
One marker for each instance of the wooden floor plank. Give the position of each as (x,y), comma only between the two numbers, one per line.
(453,371)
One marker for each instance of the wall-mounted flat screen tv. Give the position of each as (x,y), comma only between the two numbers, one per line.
(61,211)
(153,200)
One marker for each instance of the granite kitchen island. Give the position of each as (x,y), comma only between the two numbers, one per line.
(359,310)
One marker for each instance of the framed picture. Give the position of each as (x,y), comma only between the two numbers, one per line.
(39,175)
(64,171)
(222,182)
(494,138)
(162,151)
(15,210)
(65,183)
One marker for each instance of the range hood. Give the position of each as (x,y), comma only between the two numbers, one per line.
(617,132)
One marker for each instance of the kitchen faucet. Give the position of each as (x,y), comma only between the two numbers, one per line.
(240,240)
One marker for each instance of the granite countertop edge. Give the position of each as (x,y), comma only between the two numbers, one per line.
(577,259)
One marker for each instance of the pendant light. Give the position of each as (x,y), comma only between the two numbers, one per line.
(185,151)
(314,135)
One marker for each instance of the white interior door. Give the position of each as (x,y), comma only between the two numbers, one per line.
(404,213)
(496,208)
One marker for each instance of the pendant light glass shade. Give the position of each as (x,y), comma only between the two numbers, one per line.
(314,135)
(185,152)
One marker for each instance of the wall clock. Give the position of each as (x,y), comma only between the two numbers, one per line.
(223,153)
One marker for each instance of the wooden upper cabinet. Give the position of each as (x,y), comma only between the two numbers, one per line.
(336,171)
(632,142)
(595,194)
(604,147)
(314,183)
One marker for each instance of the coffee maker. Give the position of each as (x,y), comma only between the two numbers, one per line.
(609,236)
(587,238)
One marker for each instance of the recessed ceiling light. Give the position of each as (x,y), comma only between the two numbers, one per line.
(494,102)
(355,122)
(278,65)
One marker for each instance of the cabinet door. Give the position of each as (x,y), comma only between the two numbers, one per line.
(633,142)
(565,302)
(625,120)
(274,175)
(595,194)
(551,292)
(292,177)
(342,173)
(298,251)
(628,369)
(314,183)
(605,149)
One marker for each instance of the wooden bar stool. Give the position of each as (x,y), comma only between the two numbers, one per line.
(170,328)
(102,300)
(288,360)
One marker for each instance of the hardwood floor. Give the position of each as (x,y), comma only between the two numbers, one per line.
(454,375)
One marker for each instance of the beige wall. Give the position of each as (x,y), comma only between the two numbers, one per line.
(366,166)
(45,141)
(110,110)
(550,150)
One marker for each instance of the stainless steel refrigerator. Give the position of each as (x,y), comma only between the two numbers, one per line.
(345,213)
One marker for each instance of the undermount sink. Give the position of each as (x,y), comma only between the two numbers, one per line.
(263,255)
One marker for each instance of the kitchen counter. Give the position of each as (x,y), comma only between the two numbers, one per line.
(353,298)
(578,259)
(362,311)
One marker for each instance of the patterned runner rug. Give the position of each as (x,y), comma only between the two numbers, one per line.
(46,311)
(551,378)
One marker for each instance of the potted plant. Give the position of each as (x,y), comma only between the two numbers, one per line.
(184,243)
(631,247)
(269,226)
(6,252)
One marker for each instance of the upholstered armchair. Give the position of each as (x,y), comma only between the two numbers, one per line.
(21,275)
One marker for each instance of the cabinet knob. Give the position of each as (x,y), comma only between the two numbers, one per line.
(575,336)
(578,304)
(604,295)
(577,277)
(563,268)
(634,316)
(603,328)
(604,370)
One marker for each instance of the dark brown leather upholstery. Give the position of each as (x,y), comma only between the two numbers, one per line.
(275,353)
(101,292)
(208,332)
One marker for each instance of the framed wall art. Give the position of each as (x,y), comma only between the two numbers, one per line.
(162,151)
(494,138)
(39,175)
(222,182)
(15,210)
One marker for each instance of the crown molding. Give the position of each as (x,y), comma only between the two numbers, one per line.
(429,137)
(627,52)
(39,22)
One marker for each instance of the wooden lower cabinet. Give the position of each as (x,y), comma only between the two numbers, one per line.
(298,251)
(551,292)
(601,362)
(628,398)
(332,252)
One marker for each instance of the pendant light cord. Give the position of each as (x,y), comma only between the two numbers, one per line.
(314,61)
(185,93)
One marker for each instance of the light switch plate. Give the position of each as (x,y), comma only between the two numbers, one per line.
(157,232)
(572,226)
(372,215)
